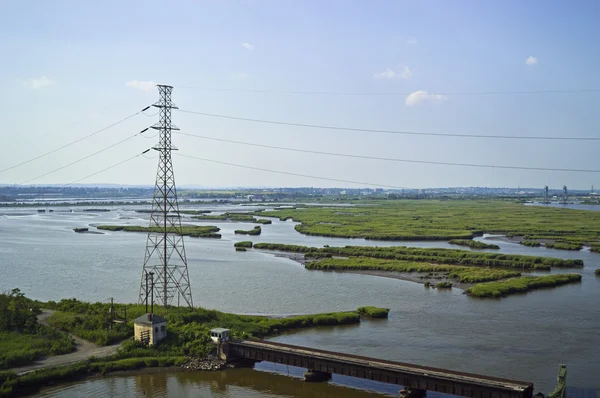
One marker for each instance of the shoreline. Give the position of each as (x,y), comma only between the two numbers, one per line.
(405,276)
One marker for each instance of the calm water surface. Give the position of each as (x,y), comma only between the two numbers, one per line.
(523,337)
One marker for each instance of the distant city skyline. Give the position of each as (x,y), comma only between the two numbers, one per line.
(77,67)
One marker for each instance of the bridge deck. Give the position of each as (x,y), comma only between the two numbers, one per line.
(423,377)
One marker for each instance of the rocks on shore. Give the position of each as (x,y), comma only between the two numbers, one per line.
(205,364)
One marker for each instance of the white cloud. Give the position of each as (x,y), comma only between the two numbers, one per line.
(531,60)
(39,83)
(406,72)
(411,40)
(421,97)
(388,73)
(142,85)
(248,46)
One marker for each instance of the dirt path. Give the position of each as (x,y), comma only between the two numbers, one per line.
(84,350)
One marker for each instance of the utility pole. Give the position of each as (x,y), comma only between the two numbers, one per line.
(165,250)
(146,295)
(546,194)
(152,292)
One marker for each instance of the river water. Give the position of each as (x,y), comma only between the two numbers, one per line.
(522,337)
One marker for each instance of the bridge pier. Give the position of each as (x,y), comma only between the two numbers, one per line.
(312,375)
(408,392)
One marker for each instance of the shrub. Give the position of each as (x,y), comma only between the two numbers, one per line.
(374,312)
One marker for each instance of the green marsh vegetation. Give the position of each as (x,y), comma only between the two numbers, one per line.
(460,273)
(194,231)
(239,217)
(445,220)
(530,243)
(254,231)
(188,329)
(564,246)
(373,312)
(521,285)
(22,339)
(473,244)
(246,244)
(449,264)
(443,285)
(432,255)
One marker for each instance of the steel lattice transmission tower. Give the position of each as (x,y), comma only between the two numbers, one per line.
(165,251)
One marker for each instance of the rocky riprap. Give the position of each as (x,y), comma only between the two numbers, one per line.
(206,364)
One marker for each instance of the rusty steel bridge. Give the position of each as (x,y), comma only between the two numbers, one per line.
(414,378)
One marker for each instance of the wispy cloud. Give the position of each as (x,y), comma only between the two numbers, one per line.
(248,46)
(389,73)
(142,85)
(37,83)
(422,97)
(411,40)
(531,60)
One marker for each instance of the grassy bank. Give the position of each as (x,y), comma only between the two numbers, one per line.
(444,220)
(564,246)
(22,339)
(373,312)
(530,243)
(434,255)
(254,231)
(207,231)
(19,349)
(244,244)
(239,217)
(520,285)
(13,386)
(460,273)
(188,328)
(473,244)
(188,336)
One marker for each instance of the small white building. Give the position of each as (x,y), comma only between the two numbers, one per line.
(219,334)
(150,329)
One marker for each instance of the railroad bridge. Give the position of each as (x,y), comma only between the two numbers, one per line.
(415,379)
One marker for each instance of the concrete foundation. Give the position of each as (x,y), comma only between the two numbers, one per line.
(316,376)
(412,393)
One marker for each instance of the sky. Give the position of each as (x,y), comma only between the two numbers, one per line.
(71,68)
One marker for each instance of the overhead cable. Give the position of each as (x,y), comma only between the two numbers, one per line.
(74,142)
(327,127)
(392,159)
(291,174)
(85,157)
(342,93)
(107,168)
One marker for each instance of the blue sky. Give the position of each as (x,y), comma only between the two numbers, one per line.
(72,67)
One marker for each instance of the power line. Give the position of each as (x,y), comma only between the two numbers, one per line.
(107,168)
(85,157)
(291,174)
(393,159)
(74,142)
(326,127)
(341,93)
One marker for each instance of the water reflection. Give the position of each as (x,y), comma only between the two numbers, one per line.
(235,383)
